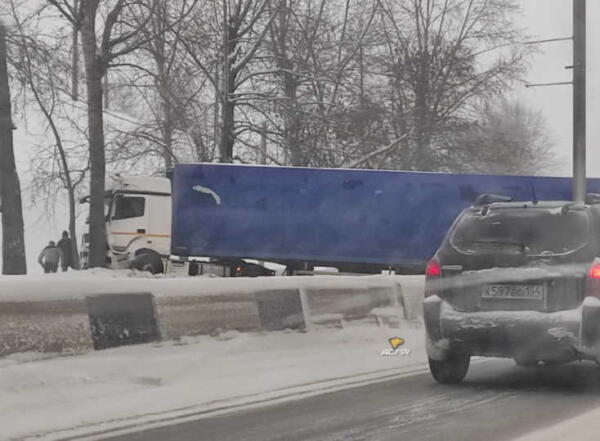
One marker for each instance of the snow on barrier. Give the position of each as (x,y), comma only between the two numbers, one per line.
(44,326)
(410,295)
(204,314)
(79,311)
(280,309)
(352,302)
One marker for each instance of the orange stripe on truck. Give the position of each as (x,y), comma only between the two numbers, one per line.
(123,233)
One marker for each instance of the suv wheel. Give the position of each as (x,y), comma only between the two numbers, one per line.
(451,370)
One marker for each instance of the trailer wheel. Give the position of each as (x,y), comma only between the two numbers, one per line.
(150,262)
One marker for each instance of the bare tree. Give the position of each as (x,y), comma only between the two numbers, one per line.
(13,243)
(239,28)
(443,57)
(116,37)
(172,91)
(507,138)
(35,68)
(319,95)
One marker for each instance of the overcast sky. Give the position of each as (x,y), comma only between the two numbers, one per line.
(550,19)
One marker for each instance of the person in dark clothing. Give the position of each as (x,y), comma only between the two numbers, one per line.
(66,248)
(49,257)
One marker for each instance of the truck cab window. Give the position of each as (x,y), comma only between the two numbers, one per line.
(126,207)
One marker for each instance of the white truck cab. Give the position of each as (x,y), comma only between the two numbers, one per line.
(138,223)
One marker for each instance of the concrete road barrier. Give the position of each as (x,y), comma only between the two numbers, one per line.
(411,292)
(171,308)
(205,314)
(122,319)
(280,309)
(44,326)
(352,303)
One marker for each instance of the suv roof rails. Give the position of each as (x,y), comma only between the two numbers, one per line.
(490,198)
(592,198)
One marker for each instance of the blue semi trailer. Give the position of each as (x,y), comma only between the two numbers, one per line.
(355,220)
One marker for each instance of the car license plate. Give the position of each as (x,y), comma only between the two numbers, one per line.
(531,292)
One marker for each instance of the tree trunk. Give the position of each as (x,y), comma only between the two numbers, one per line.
(168,128)
(167,123)
(226,144)
(228,106)
(422,154)
(94,72)
(168,137)
(75,59)
(293,121)
(13,243)
(291,113)
(216,111)
(97,170)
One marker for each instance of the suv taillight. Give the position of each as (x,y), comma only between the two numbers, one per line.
(433,277)
(592,286)
(433,269)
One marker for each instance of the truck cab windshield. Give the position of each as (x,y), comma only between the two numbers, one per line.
(126,207)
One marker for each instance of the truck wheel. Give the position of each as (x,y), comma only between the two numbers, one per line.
(148,262)
(451,370)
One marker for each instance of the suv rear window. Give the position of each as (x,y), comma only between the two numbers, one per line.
(529,230)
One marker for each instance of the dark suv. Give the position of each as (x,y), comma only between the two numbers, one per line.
(518,280)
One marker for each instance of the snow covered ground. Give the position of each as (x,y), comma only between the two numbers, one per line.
(46,397)
(71,395)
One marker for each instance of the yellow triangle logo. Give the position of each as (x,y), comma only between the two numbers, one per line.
(395,342)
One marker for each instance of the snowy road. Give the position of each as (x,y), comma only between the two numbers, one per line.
(498,401)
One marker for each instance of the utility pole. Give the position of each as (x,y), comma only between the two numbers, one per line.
(13,244)
(579,104)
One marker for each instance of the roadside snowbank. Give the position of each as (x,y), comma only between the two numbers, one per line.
(108,388)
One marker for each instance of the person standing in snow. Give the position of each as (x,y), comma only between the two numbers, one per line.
(49,257)
(66,248)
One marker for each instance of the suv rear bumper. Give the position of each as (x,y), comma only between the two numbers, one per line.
(554,336)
